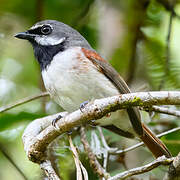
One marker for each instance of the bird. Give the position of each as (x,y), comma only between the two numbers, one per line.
(75,74)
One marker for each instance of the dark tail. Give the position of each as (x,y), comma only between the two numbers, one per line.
(154,144)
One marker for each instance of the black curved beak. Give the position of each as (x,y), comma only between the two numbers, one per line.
(24,35)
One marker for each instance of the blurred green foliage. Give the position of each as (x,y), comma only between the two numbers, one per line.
(138,49)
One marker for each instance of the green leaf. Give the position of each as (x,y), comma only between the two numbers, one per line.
(8,119)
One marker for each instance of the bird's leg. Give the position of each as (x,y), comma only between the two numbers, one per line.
(54,121)
(82,105)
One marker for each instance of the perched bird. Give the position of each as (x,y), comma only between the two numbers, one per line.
(73,73)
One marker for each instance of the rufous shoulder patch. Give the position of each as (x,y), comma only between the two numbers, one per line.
(91,54)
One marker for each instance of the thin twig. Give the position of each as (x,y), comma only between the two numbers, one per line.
(103,138)
(139,170)
(49,171)
(109,149)
(141,143)
(163,110)
(52,157)
(22,101)
(168,132)
(81,171)
(167,63)
(106,147)
(92,158)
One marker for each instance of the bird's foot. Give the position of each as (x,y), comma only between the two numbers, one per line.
(54,121)
(82,105)
(54,124)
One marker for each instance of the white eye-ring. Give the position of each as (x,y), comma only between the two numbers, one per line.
(46,29)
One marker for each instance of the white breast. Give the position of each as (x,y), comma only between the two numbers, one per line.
(71,79)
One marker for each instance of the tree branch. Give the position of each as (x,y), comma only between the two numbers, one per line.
(22,101)
(36,139)
(141,143)
(92,158)
(109,149)
(139,170)
(174,169)
(49,171)
(163,110)
(81,172)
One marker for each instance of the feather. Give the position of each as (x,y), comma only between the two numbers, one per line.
(150,140)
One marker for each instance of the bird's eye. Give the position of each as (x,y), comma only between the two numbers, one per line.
(46,29)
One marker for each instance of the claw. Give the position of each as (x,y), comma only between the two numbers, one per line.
(82,105)
(54,121)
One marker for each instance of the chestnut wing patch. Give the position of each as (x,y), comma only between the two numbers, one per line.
(104,67)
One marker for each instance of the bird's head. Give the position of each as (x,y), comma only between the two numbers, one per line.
(52,33)
(51,37)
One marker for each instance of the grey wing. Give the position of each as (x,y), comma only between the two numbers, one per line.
(115,78)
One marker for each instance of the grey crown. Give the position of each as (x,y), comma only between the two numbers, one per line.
(60,30)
